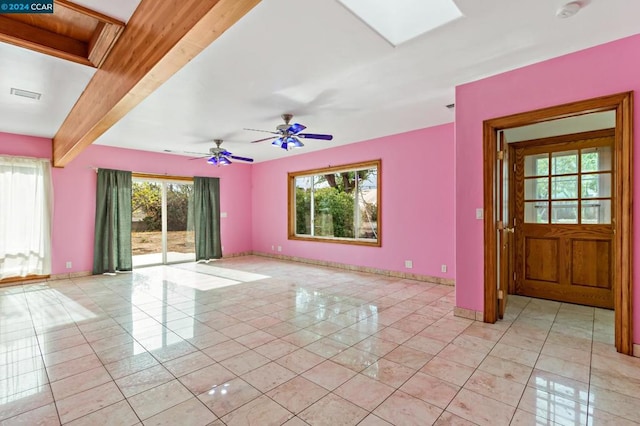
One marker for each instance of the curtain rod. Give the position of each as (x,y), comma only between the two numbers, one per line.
(154,175)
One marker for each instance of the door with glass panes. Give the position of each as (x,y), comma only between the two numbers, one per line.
(563,210)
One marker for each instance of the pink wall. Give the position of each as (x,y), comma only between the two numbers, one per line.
(417,200)
(602,70)
(74,194)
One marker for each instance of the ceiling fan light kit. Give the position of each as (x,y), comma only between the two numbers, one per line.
(218,161)
(290,142)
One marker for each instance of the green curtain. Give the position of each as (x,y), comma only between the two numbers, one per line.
(206,217)
(112,243)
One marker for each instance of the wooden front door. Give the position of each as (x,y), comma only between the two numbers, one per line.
(564,215)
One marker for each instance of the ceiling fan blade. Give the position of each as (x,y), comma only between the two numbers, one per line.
(225,152)
(263,131)
(185,152)
(199,158)
(235,157)
(262,140)
(315,136)
(295,128)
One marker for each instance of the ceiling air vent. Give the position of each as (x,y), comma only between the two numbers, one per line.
(26,93)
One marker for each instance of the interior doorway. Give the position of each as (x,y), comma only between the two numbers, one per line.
(505,226)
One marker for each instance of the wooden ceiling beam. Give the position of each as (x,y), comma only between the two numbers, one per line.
(159,39)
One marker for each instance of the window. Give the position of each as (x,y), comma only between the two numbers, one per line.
(568,187)
(337,204)
(25,217)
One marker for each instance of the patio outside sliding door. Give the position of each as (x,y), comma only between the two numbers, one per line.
(162,229)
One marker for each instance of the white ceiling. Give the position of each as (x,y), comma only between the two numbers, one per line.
(314,59)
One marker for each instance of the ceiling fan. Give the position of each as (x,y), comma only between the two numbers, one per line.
(288,135)
(218,156)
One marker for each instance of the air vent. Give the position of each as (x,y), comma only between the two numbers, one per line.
(450,106)
(26,93)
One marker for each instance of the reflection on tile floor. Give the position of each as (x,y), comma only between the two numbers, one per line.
(295,344)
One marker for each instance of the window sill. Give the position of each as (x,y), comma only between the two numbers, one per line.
(350,241)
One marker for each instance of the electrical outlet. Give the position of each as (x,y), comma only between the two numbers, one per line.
(408,264)
(223,214)
(479,214)
(273,248)
(443,268)
(68,265)
(279,248)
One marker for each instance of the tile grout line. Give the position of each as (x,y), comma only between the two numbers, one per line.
(44,367)
(538,357)
(475,369)
(593,329)
(105,369)
(533,367)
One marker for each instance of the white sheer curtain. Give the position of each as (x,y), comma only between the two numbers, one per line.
(26,210)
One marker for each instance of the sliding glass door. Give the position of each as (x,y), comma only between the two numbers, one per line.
(180,241)
(162,228)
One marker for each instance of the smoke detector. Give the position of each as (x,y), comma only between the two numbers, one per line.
(568,10)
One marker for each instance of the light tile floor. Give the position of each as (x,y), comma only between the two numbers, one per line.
(302,345)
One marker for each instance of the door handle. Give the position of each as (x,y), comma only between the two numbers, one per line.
(509,230)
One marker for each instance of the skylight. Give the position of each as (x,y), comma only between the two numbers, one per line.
(401,20)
